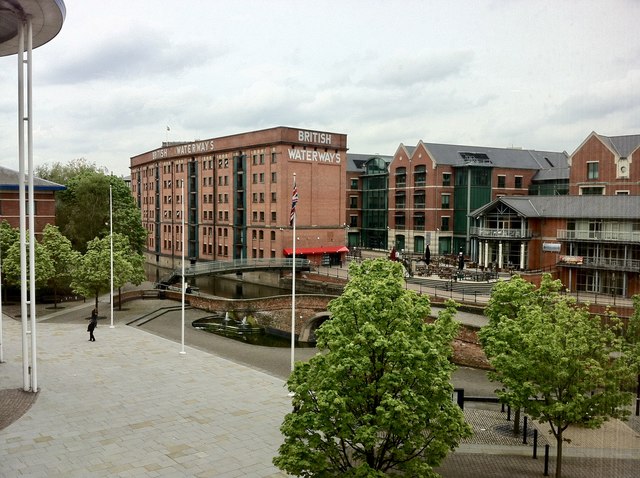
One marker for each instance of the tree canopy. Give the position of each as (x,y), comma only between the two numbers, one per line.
(558,361)
(82,210)
(93,274)
(378,399)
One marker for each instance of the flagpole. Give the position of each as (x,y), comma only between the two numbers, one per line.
(184,283)
(111,252)
(293,275)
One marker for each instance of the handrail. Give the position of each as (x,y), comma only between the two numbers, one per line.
(203,268)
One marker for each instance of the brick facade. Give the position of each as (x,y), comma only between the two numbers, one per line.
(237,195)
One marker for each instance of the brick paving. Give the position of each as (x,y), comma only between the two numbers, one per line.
(130,405)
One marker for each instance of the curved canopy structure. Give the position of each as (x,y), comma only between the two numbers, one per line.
(47,17)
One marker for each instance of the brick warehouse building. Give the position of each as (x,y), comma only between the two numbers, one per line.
(237,196)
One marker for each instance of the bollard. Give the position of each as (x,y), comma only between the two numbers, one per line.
(524,431)
(502,407)
(546,460)
(535,443)
(508,413)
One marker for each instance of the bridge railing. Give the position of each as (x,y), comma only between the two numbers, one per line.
(218,267)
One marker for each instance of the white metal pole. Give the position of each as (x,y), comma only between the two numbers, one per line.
(293,288)
(184,282)
(111,249)
(32,222)
(23,213)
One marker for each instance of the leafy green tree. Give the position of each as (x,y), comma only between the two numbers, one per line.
(63,257)
(561,363)
(8,237)
(508,299)
(378,399)
(83,210)
(62,173)
(43,264)
(93,274)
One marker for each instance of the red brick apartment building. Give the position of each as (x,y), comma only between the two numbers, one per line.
(433,188)
(589,239)
(237,196)
(44,200)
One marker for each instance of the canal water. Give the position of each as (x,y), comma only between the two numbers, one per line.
(221,286)
(230,288)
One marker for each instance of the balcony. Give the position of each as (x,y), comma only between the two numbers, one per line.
(494,233)
(607,236)
(630,265)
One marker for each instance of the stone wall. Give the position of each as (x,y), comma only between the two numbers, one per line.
(273,312)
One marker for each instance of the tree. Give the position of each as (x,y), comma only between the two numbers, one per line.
(93,274)
(378,399)
(63,257)
(8,237)
(561,363)
(83,210)
(62,173)
(507,299)
(43,264)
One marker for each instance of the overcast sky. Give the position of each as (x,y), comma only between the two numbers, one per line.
(532,74)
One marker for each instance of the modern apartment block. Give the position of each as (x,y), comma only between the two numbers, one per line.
(423,195)
(233,195)
(589,239)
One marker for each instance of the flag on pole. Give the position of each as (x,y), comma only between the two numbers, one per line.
(294,201)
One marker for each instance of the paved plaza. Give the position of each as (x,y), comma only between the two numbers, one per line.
(130,405)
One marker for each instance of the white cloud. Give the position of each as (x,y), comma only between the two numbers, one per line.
(498,73)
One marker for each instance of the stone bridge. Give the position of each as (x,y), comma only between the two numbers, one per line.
(271,312)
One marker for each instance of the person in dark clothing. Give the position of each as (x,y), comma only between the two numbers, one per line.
(92,325)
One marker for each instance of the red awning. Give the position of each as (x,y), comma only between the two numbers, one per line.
(312,251)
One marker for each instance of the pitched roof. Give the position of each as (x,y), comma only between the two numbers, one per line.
(356,162)
(579,207)
(459,155)
(623,145)
(9,179)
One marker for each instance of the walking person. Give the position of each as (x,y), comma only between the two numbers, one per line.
(92,325)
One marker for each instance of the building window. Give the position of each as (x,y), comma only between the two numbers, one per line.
(273,235)
(592,191)
(254,197)
(592,170)
(261,178)
(420,175)
(446,179)
(518,182)
(444,225)
(401,177)
(274,158)
(261,158)
(354,183)
(622,193)
(446,201)
(502,181)
(261,197)
(261,216)
(273,197)
(255,178)
(353,221)
(353,202)
(254,159)
(400,221)
(400,200)
(274,177)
